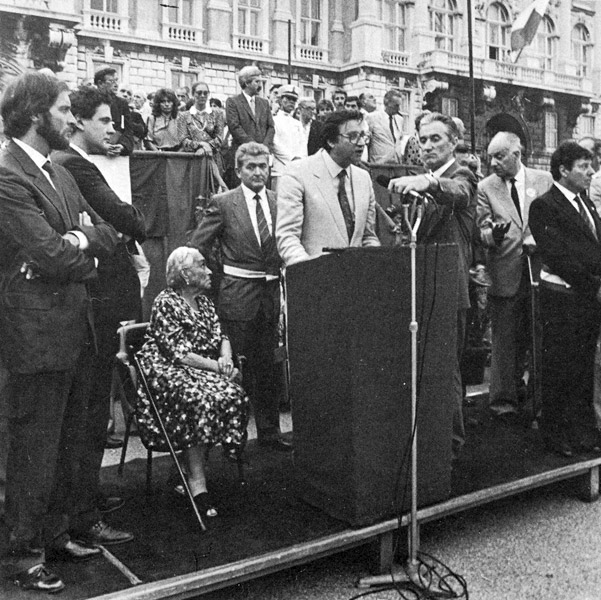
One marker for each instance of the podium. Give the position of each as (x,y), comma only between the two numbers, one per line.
(349,348)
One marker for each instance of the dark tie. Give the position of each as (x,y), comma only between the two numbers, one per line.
(391,119)
(516,198)
(47,166)
(266,237)
(347,213)
(583,213)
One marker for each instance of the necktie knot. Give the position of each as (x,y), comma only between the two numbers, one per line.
(47,166)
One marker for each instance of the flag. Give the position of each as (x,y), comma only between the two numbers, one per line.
(526,24)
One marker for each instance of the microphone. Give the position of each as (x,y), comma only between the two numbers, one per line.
(383,180)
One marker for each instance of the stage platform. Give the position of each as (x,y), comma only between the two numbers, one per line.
(264,527)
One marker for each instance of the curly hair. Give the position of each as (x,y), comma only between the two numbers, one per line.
(164,94)
(85,100)
(178,260)
(28,96)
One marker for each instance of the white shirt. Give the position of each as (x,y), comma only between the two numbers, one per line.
(251,204)
(441,170)
(520,186)
(250,100)
(334,169)
(288,142)
(40,160)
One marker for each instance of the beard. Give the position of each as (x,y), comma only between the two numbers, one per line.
(54,138)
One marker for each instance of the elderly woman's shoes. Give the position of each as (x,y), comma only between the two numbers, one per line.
(205,505)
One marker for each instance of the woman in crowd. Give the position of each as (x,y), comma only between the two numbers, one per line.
(188,364)
(163,132)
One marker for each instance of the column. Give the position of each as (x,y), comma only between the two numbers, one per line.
(281,15)
(219,33)
(366,33)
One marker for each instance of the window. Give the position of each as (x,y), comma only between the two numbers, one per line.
(310,22)
(450,107)
(498,32)
(585,126)
(581,50)
(249,21)
(393,16)
(550,130)
(110,6)
(545,45)
(442,23)
(179,79)
(180,11)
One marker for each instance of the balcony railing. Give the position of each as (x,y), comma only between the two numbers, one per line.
(108,22)
(250,44)
(493,70)
(398,59)
(311,53)
(180,33)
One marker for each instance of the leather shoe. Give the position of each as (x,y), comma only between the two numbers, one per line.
(277,444)
(102,533)
(107,504)
(113,442)
(39,578)
(72,551)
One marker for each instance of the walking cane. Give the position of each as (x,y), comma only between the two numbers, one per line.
(169,444)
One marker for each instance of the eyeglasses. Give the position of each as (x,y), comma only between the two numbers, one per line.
(201,93)
(354,137)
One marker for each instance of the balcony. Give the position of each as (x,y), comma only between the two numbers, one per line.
(253,45)
(311,53)
(398,59)
(181,34)
(106,22)
(504,72)
(62,10)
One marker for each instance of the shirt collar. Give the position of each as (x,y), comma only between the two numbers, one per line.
(249,99)
(250,195)
(80,151)
(193,110)
(571,196)
(39,159)
(333,167)
(444,167)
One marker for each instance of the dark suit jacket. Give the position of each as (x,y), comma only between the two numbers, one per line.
(452,221)
(567,245)
(43,321)
(314,141)
(123,135)
(246,127)
(227,220)
(116,292)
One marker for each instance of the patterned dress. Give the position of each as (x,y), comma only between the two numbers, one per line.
(197,406)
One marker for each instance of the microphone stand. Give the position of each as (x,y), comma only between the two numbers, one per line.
(410,572)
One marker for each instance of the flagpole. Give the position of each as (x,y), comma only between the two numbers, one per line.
(470,40)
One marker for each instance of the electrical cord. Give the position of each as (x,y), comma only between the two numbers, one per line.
(430,579)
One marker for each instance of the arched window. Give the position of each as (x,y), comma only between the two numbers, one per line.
(498,32)
(393,16)
(581,50)
(545,46)
(443,21)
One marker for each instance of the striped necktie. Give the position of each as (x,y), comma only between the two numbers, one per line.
(264,235)
(345,206)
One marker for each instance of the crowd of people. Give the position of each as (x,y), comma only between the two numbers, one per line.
(292,181)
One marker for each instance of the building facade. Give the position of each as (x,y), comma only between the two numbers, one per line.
(551,92)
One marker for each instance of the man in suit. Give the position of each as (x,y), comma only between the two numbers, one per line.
(122,141)
(115,298)
(504,199)
(248,116)
(49,239)
(325,201)
(449,220)
(386,129)
(567,230)
(242,221)
(310,125)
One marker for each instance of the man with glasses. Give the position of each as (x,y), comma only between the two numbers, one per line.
(310,125)
(386,128)
(325,200)
(122,142)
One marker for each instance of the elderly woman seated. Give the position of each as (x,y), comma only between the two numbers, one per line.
(187,361)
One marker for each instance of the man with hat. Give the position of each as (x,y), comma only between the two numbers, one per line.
(288,141)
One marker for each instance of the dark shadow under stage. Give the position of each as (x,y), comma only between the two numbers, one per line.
(265,527)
